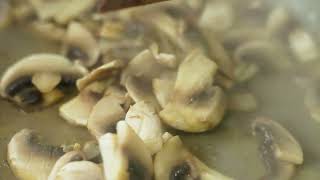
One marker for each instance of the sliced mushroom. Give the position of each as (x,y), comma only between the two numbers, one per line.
(28,158)
(280,151)
(125,156)
(217,16)
(78,110)
(81,45)
(175,162)
(107,70)
(80,170)
(303,45)
(65,159)
(144,120)
(26,81)
(105,115)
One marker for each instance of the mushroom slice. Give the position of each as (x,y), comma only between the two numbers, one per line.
(28,158)
(303,45)
(77,110)
(99,73)
(144,120)
(217,16)
(80,170)
(125,156)
(175,162)
(195,74)
(65,159)
(280,151)
(81,45)
(105,115)
(199,114)
(38,74)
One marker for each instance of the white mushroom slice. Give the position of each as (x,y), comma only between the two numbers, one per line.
(144,120)
(284,145)
(77,110)
(80,170)
(217,16)
(195,74)
(242,102)
(28,158)
(81,45)
(167,60)
(199,114)
(105,115)
(141,91)
(125,156)
(175,162)
(303,45)
(102,72)
(65,159)
(163,88)
(46,81)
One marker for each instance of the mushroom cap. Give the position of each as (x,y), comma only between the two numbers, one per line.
(175,162)
(124,155)
(38,63)
(144,120)
(65,159)
(28,159)
(80,170)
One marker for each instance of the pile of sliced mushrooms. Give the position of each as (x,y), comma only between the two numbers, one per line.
(138,74)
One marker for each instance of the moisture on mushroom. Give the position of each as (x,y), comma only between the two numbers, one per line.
(39,78)
(30,159)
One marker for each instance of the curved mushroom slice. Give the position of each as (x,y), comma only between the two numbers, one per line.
(175,162)
(303,45)
(107,70)
(199,114)
(77,110)
(28,80)
(280,151)
(105,115)
(28,158)
(125,156)
(81,45)
(145,122)
(80,170)
(65,159)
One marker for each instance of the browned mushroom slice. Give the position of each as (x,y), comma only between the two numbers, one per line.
(28,158)
(125,156)
(77,110)
(175,162)
(65,159)
(80,45)
(280,151)
(35,76)
(145,122)
(105,115)
(303,45)
(80,170)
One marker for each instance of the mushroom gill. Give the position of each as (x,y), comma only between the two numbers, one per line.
(28,158)
(125,156)
(280,151)
(175,162)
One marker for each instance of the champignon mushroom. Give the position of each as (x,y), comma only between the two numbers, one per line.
(28,158)
(32,77)
(78,110)
(124,155)
(144,120)
(280,151)
(80,170)
(65,159)
(303,45)
(81,45)
(175,162)
(105,115)
(196,105)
